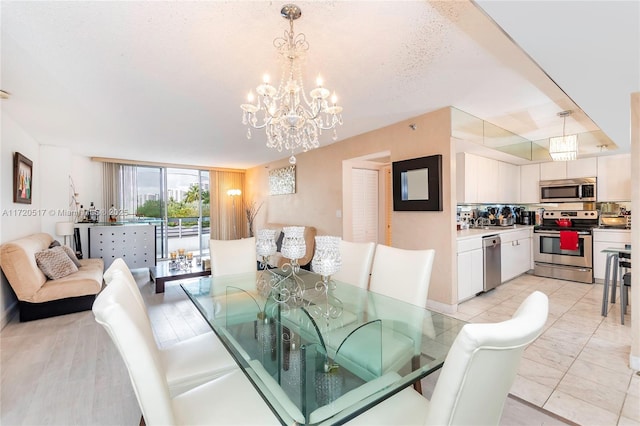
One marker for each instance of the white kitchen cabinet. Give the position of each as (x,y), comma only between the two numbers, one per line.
(614,178)
(483,180)
(529,183)
(470,268)
(487,180)
(515,253)
(553,170)
(582,167)
(466,178)
(508,183)
(606,238)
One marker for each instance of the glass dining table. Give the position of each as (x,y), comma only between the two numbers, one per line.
(320,351)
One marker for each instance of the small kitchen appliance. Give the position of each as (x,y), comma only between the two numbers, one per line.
(568,190)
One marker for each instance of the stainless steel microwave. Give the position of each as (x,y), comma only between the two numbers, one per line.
(568,190)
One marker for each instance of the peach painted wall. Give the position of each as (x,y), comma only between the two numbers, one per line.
(319,192)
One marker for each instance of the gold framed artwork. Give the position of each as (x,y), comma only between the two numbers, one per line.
(282,181)
(22,179)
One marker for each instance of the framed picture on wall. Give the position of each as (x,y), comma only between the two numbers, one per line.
(417,184)
(22,179)
(282,181)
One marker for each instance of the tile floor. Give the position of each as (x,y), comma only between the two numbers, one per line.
(579,367)
(65,370)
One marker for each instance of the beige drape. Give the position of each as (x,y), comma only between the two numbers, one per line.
(110,179)
(223,213)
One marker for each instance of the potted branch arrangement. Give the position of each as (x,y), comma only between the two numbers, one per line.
(251,209)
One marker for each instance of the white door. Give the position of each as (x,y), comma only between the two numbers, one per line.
(364,195)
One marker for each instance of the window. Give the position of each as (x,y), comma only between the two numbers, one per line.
(176,199)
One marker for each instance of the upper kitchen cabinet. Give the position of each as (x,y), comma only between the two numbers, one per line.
(530,183)
(553,170)
(466,178)
(583,167)
(614,178)
(508,183)
(483,180)
(487,178)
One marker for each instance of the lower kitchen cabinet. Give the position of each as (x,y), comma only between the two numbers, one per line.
(606,238)
(515,253)
(470,268)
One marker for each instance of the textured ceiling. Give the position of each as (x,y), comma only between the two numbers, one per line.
(163,81)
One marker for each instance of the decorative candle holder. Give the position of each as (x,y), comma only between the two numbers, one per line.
(180,260)
(293,245)
(327,259)
(289,290)
(266,246)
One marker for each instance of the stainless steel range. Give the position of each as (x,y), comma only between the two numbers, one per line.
(554,261)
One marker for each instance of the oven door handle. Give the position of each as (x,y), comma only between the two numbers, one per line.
(558,232)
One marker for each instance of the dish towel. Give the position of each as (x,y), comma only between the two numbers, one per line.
(569,240)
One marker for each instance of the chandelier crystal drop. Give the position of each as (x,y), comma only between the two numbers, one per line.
(291,119)
(565,147)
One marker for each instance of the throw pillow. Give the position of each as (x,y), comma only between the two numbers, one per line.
(71,255)
(279,242)
(55,263)
(54,243)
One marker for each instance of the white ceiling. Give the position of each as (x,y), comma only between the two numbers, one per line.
(163,81)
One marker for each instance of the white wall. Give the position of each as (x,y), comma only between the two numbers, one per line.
(55,166)
(17,220)
(51,197)
(87,178)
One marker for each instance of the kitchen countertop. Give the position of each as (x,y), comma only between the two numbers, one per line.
(489,230)
(613,230)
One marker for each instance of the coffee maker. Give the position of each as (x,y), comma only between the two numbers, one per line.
(526,218)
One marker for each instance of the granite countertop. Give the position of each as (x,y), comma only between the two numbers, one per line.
(607,229)
(489,230)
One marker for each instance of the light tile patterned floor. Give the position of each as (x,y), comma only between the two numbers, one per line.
(579,367)
(65,370)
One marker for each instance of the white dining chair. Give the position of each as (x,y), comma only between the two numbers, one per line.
(476,377)
(223,400)
(356,263)
(188,363)
(402,274)
(233,256)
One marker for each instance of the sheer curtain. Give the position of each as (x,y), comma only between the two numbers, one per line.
(223,213)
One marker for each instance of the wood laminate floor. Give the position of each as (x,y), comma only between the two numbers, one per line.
(66,371)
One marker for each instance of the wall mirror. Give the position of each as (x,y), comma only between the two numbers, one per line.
(417,184)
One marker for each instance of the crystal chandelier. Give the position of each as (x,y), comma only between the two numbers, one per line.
(291,120)
(565,147)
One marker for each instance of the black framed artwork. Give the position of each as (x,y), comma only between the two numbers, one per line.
(22,179)
(417,184)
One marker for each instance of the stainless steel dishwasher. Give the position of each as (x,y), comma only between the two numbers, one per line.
(492,264)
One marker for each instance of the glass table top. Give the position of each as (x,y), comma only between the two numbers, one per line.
(321,351)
